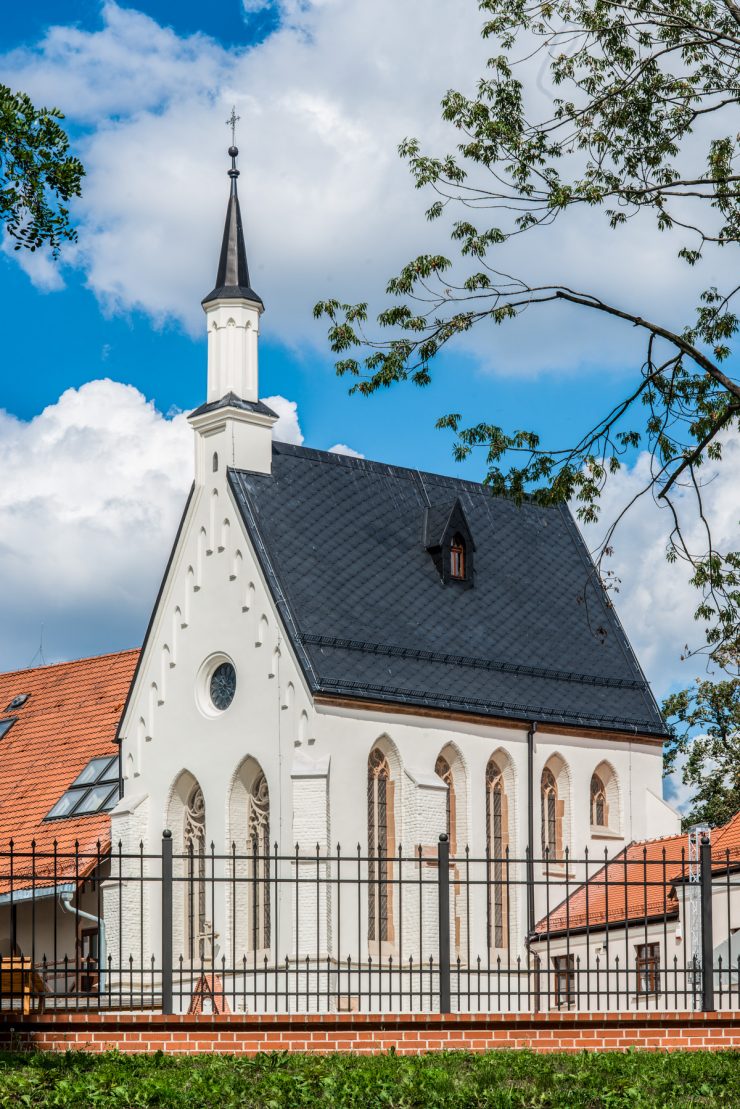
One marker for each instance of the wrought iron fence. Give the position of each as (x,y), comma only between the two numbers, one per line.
(323,931)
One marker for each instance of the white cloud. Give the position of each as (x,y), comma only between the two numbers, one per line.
(329,207)
(38,265)
(287,429)
(676,793)
(342,448)
(92,491)
(656,602)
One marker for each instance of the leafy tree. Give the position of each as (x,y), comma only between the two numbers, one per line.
(38,175)
(641,122)
(710,759)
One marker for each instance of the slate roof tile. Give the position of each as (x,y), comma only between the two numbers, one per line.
(342,543)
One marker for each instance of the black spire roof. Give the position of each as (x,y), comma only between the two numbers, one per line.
(232,279)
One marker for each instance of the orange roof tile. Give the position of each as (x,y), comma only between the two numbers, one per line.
(71,716)
(640,882)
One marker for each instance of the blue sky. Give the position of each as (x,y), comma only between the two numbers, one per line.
(225,21)
(167,364)
(324,99)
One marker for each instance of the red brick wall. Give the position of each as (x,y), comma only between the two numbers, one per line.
(354,1032)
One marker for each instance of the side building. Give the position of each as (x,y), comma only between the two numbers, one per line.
(59,779)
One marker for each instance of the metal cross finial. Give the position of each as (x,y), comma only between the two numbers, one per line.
(232,122)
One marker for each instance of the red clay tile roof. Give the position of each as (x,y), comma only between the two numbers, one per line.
(70,717)
(640,882)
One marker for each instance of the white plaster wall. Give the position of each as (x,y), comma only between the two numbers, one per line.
(214,602)
(126,904)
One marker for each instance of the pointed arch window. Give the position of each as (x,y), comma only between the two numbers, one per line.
(497,841)
(443,770)
(194,839)
(259,839)
(458,560)
(551,815)
(380,837)
(599,805)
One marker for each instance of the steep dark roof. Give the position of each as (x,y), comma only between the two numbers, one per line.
(342,544)
(232,279)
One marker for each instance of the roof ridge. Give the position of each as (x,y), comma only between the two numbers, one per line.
(684,835)
(69,662)
(658,839)
(337,458)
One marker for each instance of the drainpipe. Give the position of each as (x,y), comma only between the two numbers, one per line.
(530,825)
(65,901)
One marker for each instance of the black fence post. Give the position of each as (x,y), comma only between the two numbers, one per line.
(166,921)
(443,889)
(707,938)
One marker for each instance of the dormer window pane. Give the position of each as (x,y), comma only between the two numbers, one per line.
(457,557)
(97,798)
(92,771)
(64,805)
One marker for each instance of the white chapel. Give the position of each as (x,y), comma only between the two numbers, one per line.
(344,652)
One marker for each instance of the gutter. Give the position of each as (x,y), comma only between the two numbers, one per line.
(37,894)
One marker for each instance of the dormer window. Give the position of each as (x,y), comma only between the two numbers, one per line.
(449,541)
(457,557)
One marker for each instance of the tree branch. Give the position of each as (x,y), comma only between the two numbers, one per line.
(692,457)
(670,336)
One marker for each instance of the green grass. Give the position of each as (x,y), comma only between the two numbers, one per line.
(511,1079)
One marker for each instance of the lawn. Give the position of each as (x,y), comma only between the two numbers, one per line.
(516,1079)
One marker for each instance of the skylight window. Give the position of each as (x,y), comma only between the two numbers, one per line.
(6,725)
(95,789)
(17,702)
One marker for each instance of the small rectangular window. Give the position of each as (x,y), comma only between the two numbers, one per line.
(565,980)
(648,968)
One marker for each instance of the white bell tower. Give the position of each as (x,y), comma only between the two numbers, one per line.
(233,424)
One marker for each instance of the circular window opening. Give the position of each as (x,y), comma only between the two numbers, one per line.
(222,686)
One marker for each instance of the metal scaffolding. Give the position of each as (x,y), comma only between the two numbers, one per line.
(696,834)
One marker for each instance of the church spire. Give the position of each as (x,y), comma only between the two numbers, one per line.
(232,308)
(232,279)
(233,428)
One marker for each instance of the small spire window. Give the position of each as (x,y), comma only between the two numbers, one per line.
(457,557)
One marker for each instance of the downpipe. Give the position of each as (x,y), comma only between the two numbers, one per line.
(65,902)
